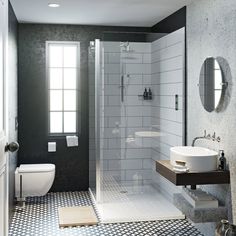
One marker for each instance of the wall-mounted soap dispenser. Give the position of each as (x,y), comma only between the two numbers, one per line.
(222,160)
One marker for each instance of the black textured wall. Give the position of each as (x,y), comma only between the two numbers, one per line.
(171,23)
(71,163)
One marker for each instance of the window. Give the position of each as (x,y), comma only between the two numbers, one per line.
(62,74)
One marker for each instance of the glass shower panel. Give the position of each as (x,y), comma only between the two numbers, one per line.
(125,154)
(92,147)
(104,119)
(110,120)
(129,132)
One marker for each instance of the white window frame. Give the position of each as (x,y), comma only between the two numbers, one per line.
(62,43)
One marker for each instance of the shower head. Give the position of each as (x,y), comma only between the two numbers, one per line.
(92,45)
(125,46)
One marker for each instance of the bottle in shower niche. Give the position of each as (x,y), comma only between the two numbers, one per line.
(145,94)
(221,228)
(149,94)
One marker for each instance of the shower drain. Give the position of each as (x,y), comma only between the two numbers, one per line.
(123,191)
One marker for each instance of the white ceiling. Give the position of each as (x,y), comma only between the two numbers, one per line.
(97,12)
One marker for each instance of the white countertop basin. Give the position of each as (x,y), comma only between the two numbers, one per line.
(197,159)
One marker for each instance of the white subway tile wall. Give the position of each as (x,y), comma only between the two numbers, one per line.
(168,65)
(124,160)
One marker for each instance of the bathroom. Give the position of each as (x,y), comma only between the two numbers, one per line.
(137,97)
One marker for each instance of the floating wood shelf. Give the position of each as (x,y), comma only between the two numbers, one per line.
(192,178)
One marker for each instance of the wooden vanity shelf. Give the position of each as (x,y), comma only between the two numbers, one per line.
(191,178)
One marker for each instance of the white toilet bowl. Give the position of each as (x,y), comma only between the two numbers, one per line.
(33,180)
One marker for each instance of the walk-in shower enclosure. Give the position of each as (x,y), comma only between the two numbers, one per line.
(129,131)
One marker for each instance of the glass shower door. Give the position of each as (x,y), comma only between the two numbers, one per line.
(92,147)
(96,119)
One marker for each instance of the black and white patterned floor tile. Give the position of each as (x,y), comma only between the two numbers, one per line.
(40,218)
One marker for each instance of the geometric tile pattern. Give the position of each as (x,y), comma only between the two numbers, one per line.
(40,218)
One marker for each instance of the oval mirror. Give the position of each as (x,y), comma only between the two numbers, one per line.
(211,84)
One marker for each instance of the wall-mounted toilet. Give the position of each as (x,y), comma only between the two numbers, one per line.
(33,180)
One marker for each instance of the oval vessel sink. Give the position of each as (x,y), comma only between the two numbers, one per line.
(197,159)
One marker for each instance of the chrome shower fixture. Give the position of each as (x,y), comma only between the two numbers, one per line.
(92,45)
(125,46)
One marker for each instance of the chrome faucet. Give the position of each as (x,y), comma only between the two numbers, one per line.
(205,136)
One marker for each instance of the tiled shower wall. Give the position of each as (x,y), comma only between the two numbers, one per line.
(123,160)
(168,66)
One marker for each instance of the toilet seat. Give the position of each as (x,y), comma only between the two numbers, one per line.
(31,168)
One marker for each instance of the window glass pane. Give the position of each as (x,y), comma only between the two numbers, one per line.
(55,100)
(55,78)
(69,100)
(69,122)
(55,122)
(70,56)
(62,72)
(55,56)
(69,78)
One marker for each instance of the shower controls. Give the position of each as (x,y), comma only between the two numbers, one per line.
(176,102)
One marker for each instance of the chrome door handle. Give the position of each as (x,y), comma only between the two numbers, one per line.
(12,147)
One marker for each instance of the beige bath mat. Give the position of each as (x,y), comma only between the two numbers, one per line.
(77,216)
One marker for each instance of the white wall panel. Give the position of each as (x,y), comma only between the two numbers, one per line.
(167,81)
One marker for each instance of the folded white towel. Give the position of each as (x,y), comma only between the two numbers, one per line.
(72,141)
(179,168)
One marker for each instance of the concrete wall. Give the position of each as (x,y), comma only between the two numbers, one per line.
(211,32)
